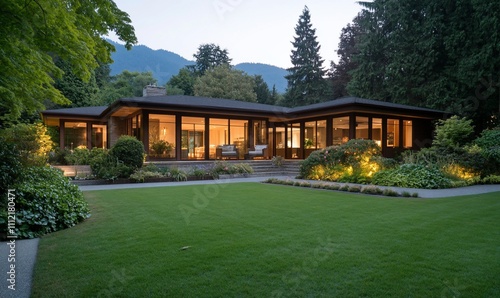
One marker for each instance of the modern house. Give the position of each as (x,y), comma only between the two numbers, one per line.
(195,127)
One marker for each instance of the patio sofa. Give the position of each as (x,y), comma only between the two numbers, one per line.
(257,151)
(226,152)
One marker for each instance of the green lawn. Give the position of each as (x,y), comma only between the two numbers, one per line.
(261,240)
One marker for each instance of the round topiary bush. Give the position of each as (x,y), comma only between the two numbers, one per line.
(129,151)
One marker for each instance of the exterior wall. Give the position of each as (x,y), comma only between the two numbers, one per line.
(117,127)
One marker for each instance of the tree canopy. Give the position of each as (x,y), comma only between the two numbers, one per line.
(224,82)
(306,84)
(34,33)
(209,56)
(437,54)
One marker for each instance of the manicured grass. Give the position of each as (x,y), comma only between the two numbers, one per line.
(260,240)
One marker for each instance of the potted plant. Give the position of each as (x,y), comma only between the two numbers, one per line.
(161,148)
(308,143)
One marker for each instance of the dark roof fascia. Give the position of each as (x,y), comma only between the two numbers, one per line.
(91,113)
(182,103)
(371,105)
(205,104)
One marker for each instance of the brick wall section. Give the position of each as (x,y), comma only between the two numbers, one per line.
(117,127)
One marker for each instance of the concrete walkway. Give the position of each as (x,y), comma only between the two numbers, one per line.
(26,250)
(422,193)
(22,255)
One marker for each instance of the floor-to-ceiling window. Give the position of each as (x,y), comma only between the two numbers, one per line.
(162,136)
(315,134)
(340,130)
(193,138)
(218,135)
(377,131)
(99,137)
(280,141)
(362,127)
(260,132)
(407,133)
(293,141)
(238,130)
(392,133)
(75,135)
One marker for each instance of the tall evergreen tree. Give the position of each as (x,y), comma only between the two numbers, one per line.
(262,90)
(348,47)
(306,83)
(209,56)
(437,54)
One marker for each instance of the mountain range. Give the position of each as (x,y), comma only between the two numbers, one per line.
(165,64)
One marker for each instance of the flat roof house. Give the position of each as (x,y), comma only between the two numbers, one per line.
(195,127)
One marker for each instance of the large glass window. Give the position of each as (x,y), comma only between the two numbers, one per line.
(260,132)
(340,130)
(136,126)
(392,132)
(238,135)
(99,136)
(75,135)
(280,141)
(362,127)
(315,134)
(293,140)
(193,140)
(162,135)
(219,134)
(377,130)
(407,133)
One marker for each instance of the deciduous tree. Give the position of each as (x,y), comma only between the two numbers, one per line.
(225,82)
(33,33)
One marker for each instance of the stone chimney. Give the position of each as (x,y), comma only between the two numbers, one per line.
(153,90)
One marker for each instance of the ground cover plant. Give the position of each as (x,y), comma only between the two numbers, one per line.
(262,240)
(455,159)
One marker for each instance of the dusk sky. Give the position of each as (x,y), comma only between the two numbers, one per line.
(258,31)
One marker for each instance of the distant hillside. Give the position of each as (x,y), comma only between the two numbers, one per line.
(164,64)
(272,75)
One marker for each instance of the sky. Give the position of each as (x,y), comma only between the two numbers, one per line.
(258,31)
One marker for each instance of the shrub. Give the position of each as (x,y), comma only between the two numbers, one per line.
(355,161)
(371,190)
(58,156)
(141,175)
(10,170)
(491,179)
(178,174)
(46,201)
(105,166)
(277,161)
(129,151)
(344,187)
(414,176)
(390,192)
(197,172)
(32,141)
(354,188)
(79,156)
(452,133)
